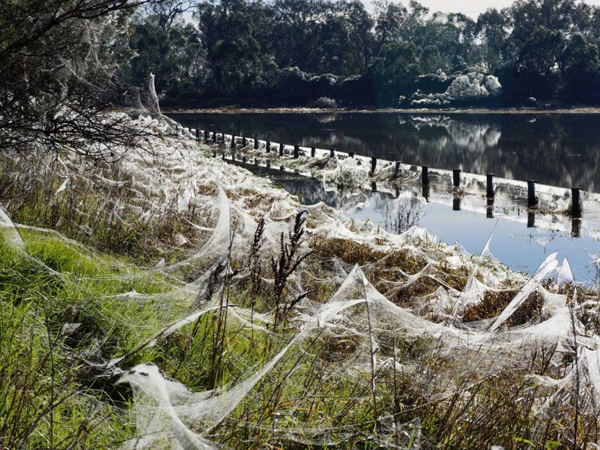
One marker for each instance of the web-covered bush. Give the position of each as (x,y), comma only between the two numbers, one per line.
(473,86)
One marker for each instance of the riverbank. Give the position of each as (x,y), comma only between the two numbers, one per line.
(425,111)
(240,318)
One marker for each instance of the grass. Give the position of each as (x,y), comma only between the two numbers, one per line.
(324,391)
(49,398)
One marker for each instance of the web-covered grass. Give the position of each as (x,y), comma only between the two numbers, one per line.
(169,300)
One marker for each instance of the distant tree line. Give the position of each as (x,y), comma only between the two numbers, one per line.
(326,52)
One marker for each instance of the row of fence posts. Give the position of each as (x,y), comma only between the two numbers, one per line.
(532,199)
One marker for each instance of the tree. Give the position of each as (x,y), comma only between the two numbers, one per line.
(580,66)
(172,51)
(57,74)
(232,32)
(395,72)
(493,31)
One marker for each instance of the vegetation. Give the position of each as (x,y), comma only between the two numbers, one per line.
(131,316)
(292,52)
(67,308)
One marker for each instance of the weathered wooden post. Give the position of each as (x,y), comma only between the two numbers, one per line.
(332,153)
(397,169)
(205,136)
(255,144)
(425,175)
(233,141)
(268,164)
(244,141)
(425,192)
(268,146)
(456,203)
(374,186)
(233,155)
(197,133)
(576,202)
(532,200)
(456,178)
(373,164)
(282,168)
(281,149)
(531,219)
(313,152)
(490,185)
(244,159)
(296,152)
(256,161)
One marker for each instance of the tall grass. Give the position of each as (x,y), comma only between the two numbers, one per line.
(328,391)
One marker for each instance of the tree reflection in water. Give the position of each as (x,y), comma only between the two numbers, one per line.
(556,149)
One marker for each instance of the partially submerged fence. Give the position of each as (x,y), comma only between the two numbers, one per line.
(273,150)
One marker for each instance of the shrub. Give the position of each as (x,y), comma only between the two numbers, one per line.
(324,102)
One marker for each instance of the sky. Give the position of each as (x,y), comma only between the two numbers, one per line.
(471,8)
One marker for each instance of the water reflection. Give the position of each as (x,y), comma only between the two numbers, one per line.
(559,149)
(521,238)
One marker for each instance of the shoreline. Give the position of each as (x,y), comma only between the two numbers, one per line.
(421,111)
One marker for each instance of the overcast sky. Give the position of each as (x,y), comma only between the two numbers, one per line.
(469,7)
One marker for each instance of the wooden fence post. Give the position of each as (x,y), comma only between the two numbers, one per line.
(373,164)
(425,175)
(281,149)
(456,178)
(490,185)
(532,200)
(313,152)
(397,169)
(268,146)
(256,144)
(576,202)
(296,152)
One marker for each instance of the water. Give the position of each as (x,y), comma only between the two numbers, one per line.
(520,240)
(556,149)
(559,150)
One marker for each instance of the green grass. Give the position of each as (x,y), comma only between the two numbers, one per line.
(51,394)
(48,396)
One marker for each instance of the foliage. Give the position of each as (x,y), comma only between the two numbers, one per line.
(259,52)
(58,73)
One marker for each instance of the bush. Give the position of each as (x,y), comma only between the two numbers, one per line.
(324,102)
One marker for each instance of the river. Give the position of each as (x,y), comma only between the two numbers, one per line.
(555,149)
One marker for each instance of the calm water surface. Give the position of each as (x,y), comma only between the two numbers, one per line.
(556,149)
(560,150)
